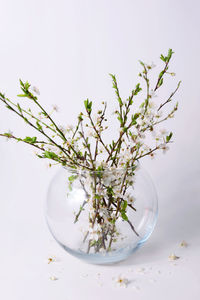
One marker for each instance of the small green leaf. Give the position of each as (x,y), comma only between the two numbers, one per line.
(163,58)
(8,134)
(9,107)
(22,95)
(170,52)
(119,99)
(168,137)
(27,85)
(38,125)
(2,95)
(120,119)
(80,117)
(112,221)
(142,64)
(30,140)
(51,155)
(124,216)
(134,118)
(88,105)
(160,82)
(137,89)
(124,205)
(72,178)
(161,74)
(93,243)
(19,108)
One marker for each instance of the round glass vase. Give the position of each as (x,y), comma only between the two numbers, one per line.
(101,217)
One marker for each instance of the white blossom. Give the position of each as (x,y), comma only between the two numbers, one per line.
(152,65)
(96,118)
(152,155)
(173,257)
(183,244)
(164,147)
(90,133)
(153,94)
(55,107)
(53,278)
(94,231)
(69,127)
(9,133)
(36,90)
(122,281)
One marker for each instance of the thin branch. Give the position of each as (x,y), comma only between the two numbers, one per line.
(10,136)
(170,97)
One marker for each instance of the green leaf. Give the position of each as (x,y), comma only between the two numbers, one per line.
(93,243)
(161,74)
(7,134)
(38,125)
(80,117)
(72,178)
(113,221)
(134,118)
(124,216)
(167,58)
(110,191)
(99,170)
(163,58)
(51,155)
(142,64)
(168,137)
(19,108)
(2,95)
(170,52)
(27,85)
(22,95)
(116,89)
(142,105)
(160,82)
(9,107)
(119,99)
(120,119)
(124,205)
(88,106)
(30,140)
(137,89)
(21,82)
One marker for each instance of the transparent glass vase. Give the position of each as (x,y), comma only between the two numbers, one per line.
(92,222)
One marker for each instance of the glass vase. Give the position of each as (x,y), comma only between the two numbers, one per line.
(94,219)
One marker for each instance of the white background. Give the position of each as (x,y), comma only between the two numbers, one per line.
(67,48)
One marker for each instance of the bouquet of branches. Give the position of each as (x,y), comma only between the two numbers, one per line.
(104,170)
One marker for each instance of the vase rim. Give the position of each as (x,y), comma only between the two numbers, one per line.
(105,169)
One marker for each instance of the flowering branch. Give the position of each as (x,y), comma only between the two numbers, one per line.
(109,168)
